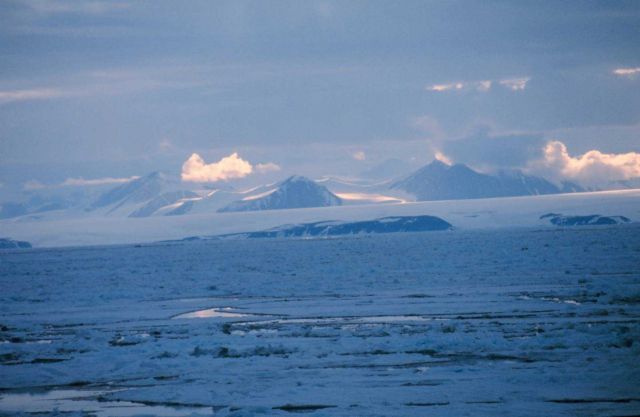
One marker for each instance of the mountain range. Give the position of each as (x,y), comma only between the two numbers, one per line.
(162,194)
(440,181)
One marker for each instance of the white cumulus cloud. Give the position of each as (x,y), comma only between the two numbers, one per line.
(196,170)
(591,168)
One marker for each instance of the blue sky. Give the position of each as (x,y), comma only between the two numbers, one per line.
(113,89)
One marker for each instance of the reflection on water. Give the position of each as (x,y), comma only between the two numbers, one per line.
(211,313)
(85,401)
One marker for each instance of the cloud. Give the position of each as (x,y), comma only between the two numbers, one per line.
(111,82)
(196,170)
(359,156)
(428,125)
(94,7)
(443,158)
(483,86)
(30,94)
(515,84)
(267,167)
(324,9)
(165,145)
(592,168)
(97,181)
(446,87)
(484,150)
(32,185)
(627,72)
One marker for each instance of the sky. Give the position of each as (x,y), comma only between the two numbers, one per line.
(221,90)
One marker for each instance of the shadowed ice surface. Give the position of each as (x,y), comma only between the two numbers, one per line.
(521,323)
(69,401)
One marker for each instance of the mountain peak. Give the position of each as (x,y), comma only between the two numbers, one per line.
(439,181)
(297,178)
(136,191)
(294,192)
(438,163)
(155,175)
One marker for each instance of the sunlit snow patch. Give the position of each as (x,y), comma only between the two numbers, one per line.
(211,313)
(363,198)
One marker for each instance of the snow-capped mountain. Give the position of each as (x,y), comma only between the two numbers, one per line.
(43,202)
(137,191)
(294,192)
(167,203)
(160,194)
(630,184)
(439,181)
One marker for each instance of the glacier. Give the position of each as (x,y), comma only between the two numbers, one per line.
(95,228)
